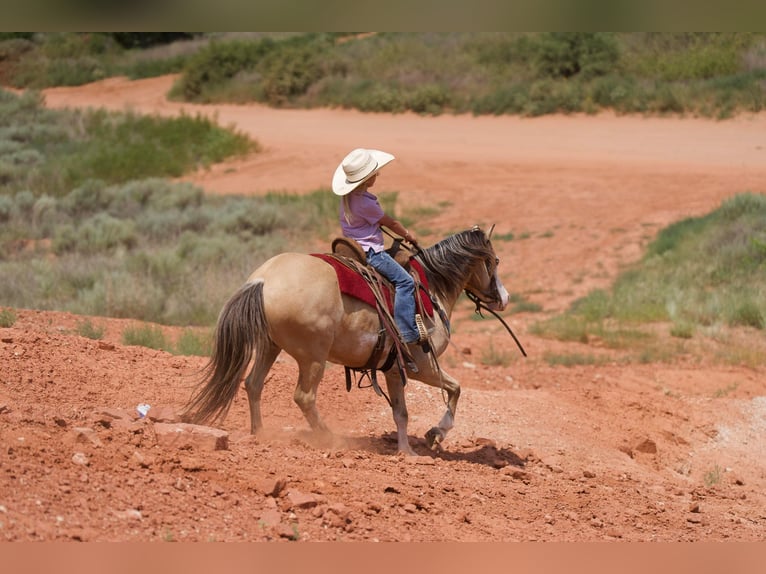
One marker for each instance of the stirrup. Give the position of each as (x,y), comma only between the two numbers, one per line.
(422,331)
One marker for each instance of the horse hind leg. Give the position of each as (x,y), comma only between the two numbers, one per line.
(310,374)
(399,410)
(254,384)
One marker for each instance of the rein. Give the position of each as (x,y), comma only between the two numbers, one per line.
(481,306)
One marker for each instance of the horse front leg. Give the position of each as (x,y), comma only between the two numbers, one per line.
(436,435)
(399,410)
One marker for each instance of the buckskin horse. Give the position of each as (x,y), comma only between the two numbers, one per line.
(293,303)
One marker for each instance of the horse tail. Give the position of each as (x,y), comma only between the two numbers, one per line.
(241,330)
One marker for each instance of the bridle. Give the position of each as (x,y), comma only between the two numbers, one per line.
(480,299)
(493,296)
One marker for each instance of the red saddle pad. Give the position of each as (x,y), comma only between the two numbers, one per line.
(352,284)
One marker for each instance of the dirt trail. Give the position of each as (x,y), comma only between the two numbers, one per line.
(618,451)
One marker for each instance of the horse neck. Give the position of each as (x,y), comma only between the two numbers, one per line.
(447,271)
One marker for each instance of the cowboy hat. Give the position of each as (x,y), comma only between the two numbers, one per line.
(356,168)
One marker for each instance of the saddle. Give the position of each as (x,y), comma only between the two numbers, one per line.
(349,248)
(359,280)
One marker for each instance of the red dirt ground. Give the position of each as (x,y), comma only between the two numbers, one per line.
(627,451)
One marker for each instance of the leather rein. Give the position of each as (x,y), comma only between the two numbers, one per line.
(480,305)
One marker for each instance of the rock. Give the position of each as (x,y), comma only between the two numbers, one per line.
(85,435)
(626,449)
(270,517)
(104,346)
(647,446)
(80,458)
(138,459)
(163,414)
(286,531)
(129,514)
(191,464)
(106,417)
(185,435)
(339,509)
(517,474)
(488,442)
(589,474)
(422,460)
(271,486)
(299,499)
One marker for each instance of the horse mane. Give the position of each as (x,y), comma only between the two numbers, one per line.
(447,262)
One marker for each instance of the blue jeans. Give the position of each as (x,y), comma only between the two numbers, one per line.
(404,298)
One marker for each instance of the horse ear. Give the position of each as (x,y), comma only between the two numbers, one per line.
(491,229)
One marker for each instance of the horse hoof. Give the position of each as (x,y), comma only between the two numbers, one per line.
(434,437)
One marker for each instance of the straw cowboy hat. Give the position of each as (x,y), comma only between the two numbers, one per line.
(356,168)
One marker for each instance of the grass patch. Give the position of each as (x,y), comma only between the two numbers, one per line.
(150,249)
(87,329)
(50,152)
(503,236)
(521,305)
(193,343)
(572,359)
(713,476)
(682,330)
(7,318)
(145,336)
(727,390)
(493,357)
(697,273)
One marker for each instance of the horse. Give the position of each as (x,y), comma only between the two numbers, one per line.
(293,303)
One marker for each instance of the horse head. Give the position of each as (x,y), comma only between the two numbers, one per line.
(484,283)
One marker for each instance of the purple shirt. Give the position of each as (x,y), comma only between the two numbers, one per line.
(365,217)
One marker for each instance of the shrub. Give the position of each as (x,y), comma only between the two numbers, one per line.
(747,313)
(146,39)
(145,336)
(7,318)
(428,99)
(192,343)
(289,72)
(87,329)
(99,233)
(217,63)
(568,54)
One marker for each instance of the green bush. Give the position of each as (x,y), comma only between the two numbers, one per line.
(99,233)
(55,152)
(707,270)
(218,63)
(569,54)
(289,72)
(146,39)
(150,336)
(86,328)
(7,318)
(194,344)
